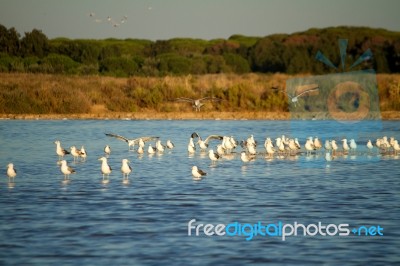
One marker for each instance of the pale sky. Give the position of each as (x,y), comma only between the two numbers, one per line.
(203,19)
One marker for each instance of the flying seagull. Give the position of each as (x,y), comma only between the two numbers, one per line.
(295,98)
(131,142)
(197,103)
(204,143)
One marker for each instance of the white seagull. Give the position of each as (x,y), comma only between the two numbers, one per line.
(203,144)
(213,156)
(197,173)
(11,172)
(75,153)
(245,158)
(83,154)
(59,150)
(125,169)
(105,168)
(170,144)
(197,103)
(295,98)
(66,170)
(132,142)
(107,150)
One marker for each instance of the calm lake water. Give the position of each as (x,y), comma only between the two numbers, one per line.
(84,222)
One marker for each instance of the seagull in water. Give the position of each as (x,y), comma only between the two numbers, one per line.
(213,156)
(107,150)
(59,150)
(125,169)
(66,170)
(131,142)
(170,145)
(197,103)
(203,144)
(197,173)
(105,169)
(11,172)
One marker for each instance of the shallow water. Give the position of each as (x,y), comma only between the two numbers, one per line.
(84,222)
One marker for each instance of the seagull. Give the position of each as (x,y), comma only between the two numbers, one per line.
(11,172)
(204,144)
(170,145)
(197,103)
(396,147)
(159,146)
(317,143)
(151,150)
(345,146)
(59,150)
(213,156)
(309,145)
(107,150)
(131,142)
(125,169)
(295,98)
(191,146)
(66,170)
(105,168)
(198,173)
(245,158)
(75,152)
(83,154)
(334,147)
(140,150)
(353,145)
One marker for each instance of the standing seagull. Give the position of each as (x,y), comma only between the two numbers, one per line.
(11,172)
(59,150)
(197,103)
(125,169)
(197,173)
(83,154)
(131,142)
(66,170)
(105,169)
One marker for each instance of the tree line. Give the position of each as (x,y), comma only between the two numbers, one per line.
(279,53)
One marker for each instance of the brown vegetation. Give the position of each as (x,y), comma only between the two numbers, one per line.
(248,96)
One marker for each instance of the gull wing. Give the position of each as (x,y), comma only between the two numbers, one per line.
(145,139)
(201,172)
(209,99)
(183,99)
(213,137)
(117,136)
(307,91)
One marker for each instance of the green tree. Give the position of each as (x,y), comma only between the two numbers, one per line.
(34,43)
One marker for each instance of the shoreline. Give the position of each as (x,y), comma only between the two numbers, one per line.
(389,115)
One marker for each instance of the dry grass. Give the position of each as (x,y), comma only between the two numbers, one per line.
(29,96)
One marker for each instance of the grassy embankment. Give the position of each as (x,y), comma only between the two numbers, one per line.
(249,96)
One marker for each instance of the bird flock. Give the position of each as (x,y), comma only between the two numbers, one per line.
(223,147)
(108,20)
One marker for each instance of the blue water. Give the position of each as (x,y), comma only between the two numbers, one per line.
(44,221)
